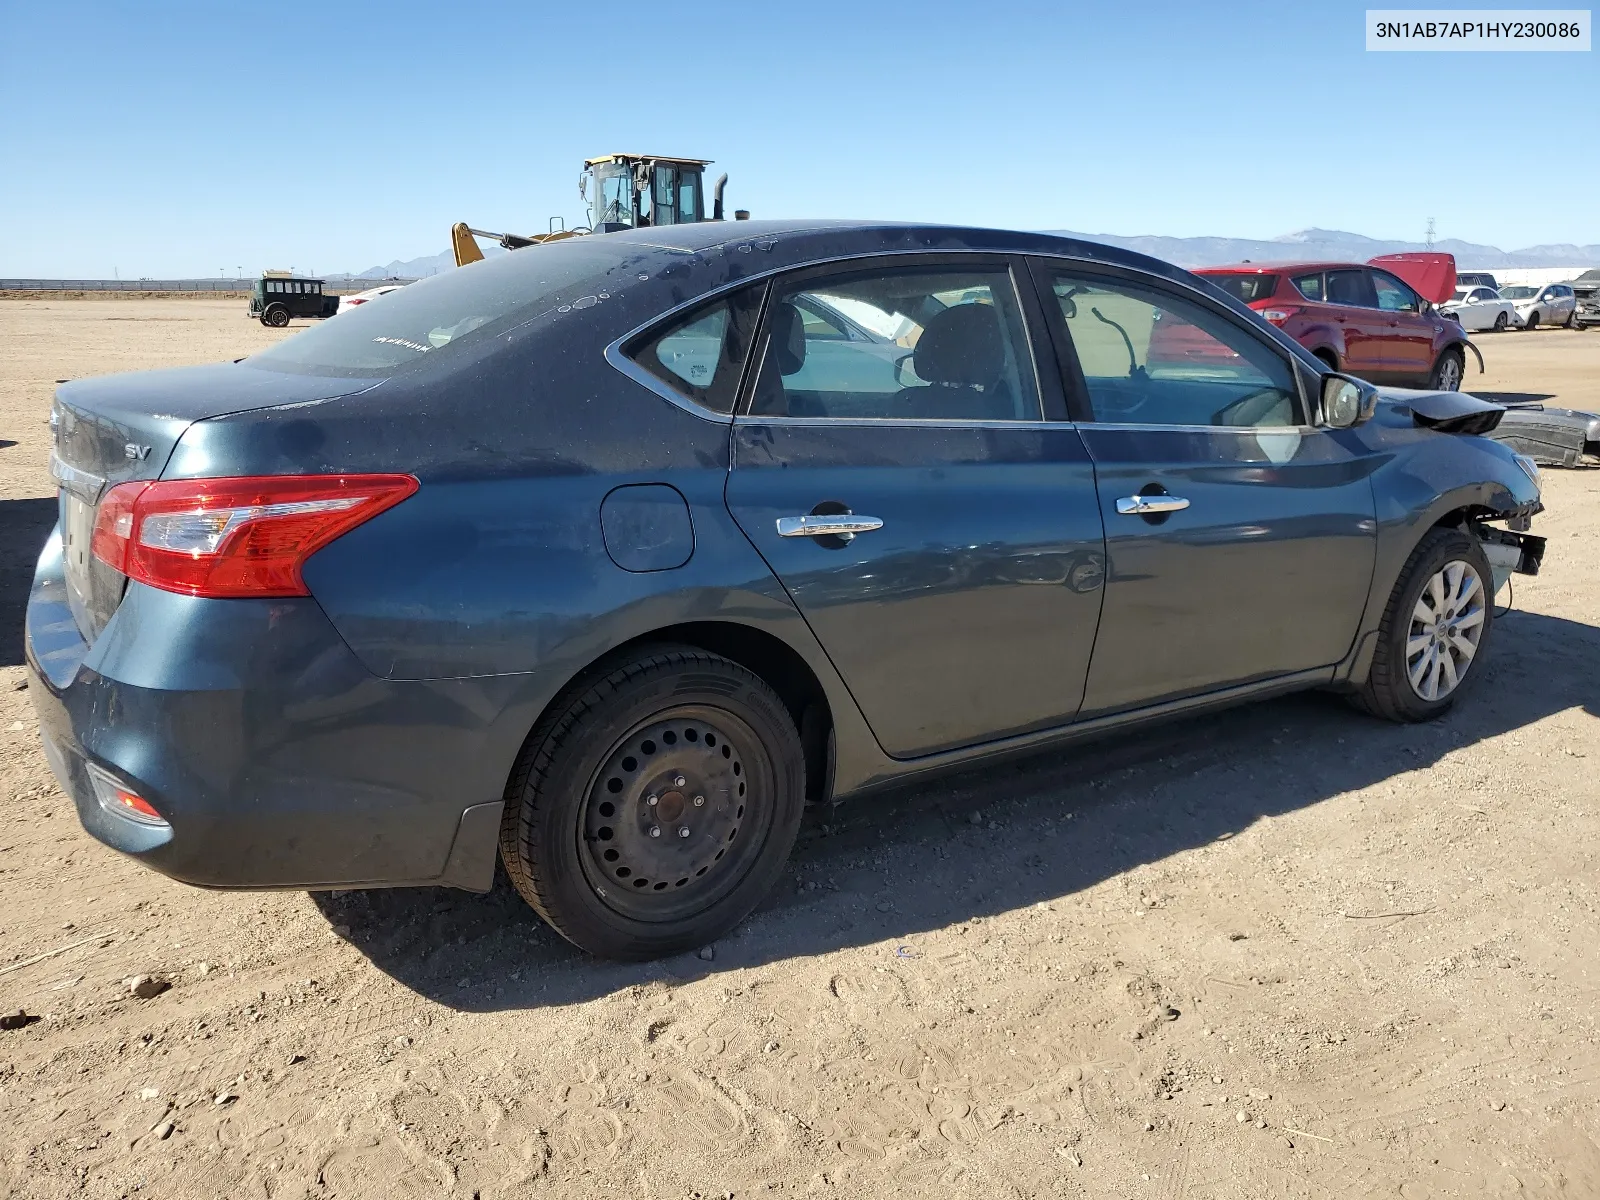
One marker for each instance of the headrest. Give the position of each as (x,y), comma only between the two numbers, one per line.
(788,339)
(962,347)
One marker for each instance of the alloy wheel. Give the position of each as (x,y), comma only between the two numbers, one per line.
(1446,626)
(1449,374)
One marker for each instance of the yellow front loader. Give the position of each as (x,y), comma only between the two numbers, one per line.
(622,191)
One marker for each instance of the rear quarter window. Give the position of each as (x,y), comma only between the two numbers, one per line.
(700,354)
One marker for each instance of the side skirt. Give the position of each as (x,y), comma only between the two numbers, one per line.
(1032,743)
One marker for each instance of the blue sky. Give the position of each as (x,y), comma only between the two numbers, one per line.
(179,138)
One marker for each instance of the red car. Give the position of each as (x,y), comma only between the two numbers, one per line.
(1374,320)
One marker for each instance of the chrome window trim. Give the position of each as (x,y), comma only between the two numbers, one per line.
(619,360)
(624,364)
(899,422)
(84,483)
(1136,427)
(639,375)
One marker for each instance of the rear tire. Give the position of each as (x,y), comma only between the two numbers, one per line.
(1500,322)
(1431,616)
(277,316)
(1448,371)
(655,806)
(1328,357)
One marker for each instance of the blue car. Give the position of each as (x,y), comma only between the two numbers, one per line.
(605,558)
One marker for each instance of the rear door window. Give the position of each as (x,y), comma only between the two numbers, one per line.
(1309,286)
(923,343)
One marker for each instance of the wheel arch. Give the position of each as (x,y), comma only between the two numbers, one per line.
(1458,508)
(765,655)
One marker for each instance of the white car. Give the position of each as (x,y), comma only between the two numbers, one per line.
(1479,308)
(1552,304)
(348,302)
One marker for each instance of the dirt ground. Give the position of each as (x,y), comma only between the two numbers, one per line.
(1287,951)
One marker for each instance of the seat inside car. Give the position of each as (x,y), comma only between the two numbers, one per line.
(962,357)
(787,345)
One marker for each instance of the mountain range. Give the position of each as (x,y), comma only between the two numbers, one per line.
(1331,244)
(1336,246)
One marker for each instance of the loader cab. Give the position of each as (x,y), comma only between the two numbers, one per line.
(627,191)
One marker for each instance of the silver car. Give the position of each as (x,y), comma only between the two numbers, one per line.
(1552,304)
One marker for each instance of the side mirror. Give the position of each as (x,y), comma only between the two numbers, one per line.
(1347,402)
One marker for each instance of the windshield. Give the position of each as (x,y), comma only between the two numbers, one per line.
(613,197)
(1517,293)
(442,313)
(1461,294)
(1248,288)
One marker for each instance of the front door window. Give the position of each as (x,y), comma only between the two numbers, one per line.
(1153,358)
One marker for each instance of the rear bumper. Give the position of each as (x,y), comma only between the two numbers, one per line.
(277,759)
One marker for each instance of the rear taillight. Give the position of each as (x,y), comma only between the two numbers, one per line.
(235,537)
(1278,315)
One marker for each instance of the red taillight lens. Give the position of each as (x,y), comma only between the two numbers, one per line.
(235,537)
(1278,315)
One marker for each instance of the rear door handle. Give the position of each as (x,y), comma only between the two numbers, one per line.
(1139,506)
(841,525)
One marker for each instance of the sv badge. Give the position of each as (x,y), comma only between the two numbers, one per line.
(132,451)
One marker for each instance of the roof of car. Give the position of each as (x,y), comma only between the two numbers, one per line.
(878,237)
(1263,268)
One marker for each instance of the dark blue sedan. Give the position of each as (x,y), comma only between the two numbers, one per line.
(605,558)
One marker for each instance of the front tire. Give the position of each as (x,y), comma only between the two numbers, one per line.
(654,807)
(1532,322)
(1435,630)
(1447,372)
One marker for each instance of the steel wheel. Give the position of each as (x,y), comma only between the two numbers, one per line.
(1446,625)
(626,878)
(675,814)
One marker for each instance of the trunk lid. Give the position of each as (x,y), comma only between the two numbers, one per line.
(123,428)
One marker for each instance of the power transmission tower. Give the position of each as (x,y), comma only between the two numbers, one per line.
(1430,233)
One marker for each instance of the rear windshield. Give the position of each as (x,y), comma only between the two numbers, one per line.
(441,314)
(1248,288)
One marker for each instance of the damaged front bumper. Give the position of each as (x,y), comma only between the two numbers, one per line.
(1509,552)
